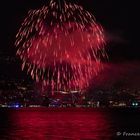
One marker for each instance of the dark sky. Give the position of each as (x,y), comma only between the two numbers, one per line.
(118,18)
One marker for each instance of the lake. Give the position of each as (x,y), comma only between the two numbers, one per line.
(69,124)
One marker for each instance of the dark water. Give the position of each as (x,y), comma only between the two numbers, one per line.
(68,124)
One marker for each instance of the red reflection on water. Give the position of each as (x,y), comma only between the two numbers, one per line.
(59,124)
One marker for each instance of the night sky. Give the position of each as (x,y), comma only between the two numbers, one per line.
(119,20)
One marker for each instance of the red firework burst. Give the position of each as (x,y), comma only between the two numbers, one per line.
(61,45)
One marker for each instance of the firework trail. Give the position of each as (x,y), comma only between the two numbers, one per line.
(61,46)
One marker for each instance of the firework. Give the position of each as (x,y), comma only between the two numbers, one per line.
(60,46)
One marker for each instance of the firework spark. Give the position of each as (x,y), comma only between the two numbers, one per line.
(61,45)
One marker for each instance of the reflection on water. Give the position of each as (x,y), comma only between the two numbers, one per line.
(64,124)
